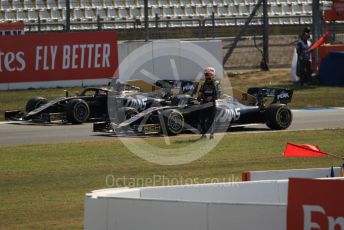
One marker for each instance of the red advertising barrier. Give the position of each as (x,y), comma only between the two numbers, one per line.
(315,204)
(13,28)
(337,11)
(58,56)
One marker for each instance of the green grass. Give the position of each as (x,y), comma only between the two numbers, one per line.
(43,186)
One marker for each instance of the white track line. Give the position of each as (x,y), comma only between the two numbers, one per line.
(316,109)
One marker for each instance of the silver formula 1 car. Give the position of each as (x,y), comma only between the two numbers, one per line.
(182,112)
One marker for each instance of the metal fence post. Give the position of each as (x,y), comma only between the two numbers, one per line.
(213,22)
(146,20)
(157,25)
(265,61)
(67,15)
(99,26)
(199,28)
(315,26)
(39,24)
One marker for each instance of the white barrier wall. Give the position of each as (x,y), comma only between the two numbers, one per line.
(291,173)
(267,192)
(242,206)
(124,214)
(169,59)
(151,61)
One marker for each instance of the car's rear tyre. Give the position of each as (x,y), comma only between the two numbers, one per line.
(279,116)
(124,114)
(34,103)
(173,122)
(77,111)
(129,112)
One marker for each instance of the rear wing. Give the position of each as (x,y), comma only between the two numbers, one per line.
(145,86)
(280,95)
(179,86)
(173,87)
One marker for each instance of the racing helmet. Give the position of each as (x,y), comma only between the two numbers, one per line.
(209,73)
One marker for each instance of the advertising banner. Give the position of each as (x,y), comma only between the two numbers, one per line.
(315,204)
(336,12)
(58,56)
(13,28)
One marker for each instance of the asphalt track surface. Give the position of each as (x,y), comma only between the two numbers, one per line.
(14,133)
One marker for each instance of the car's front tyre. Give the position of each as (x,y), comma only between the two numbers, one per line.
(77,111)
(173,122)
(34,103)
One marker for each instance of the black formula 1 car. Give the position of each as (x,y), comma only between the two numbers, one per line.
(90,104)
(182,112)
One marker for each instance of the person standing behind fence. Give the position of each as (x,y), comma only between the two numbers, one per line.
(304,66)
(207,96)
